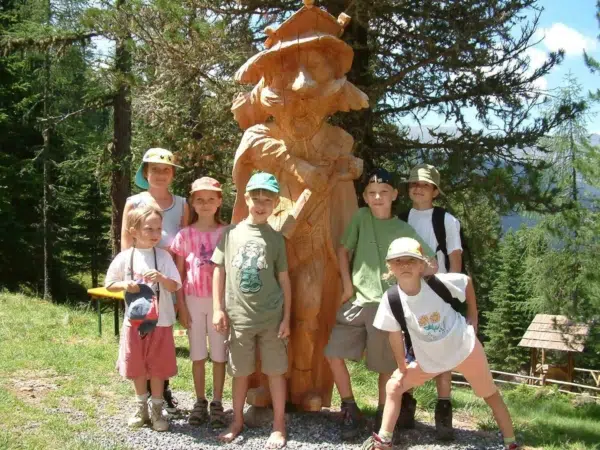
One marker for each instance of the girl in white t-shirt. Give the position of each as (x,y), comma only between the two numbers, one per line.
(150,357)
(442,340)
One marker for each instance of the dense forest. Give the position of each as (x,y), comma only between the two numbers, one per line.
(87,87)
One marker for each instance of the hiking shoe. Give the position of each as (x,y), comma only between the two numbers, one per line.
(406,419)
(141,415)
(217,415)
(170,401)
(352,419)
(443,420)
(199,413)
(159,423)
(375,442)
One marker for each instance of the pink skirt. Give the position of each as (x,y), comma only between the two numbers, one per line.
(151,357)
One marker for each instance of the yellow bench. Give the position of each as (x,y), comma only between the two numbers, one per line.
(117,298)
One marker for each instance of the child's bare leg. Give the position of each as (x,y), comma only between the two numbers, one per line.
(157,386)
(383,379)
(278,394)
(501,414)
(218,380)
(240,390)
(140,385)
(443,383)
(199,375)
(341,377)
(393,402)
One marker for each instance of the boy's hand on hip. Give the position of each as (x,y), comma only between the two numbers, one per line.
(284,329)
(220,321)
(132,287)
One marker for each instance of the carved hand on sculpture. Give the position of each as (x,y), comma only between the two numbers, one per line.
(318,179)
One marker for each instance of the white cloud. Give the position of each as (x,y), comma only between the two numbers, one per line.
(570,40)
(537,57)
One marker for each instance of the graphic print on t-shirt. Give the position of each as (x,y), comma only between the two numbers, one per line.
(431,325)
(204,256)
(250,260)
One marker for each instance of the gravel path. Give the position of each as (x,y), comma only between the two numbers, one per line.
(306,431)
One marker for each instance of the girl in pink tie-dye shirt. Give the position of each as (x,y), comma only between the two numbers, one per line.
(193,247)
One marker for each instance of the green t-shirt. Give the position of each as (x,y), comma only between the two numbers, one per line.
(369,239)
(253,256)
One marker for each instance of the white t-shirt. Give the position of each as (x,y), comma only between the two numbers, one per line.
(143,260)
(421,221)
(440,336)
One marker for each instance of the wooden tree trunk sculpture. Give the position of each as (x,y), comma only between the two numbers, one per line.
(299,81)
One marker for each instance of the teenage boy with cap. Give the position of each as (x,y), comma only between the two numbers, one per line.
(252,300)
(365,240)
(441,231)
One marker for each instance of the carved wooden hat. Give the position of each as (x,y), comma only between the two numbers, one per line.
(308,27)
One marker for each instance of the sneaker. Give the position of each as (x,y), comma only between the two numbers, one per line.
(443,420)
(352,419)
(406,419)
(513,446)
(217,415)
(199,413)
(375,442)
(170,401)
(159,423)
(141,415)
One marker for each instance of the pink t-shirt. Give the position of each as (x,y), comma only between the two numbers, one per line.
(197,248)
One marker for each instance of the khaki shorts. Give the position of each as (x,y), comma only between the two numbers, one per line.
(242,352)
(354,332)
(475,369)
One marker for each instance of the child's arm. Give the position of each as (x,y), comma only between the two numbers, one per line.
(397,344)
(455,259)
(129,286)
(286,287)
(343,255)
(471,300)
(156,277)
(181,307)
(126,239)
(219,316)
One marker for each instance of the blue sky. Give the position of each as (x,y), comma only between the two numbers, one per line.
(571,25)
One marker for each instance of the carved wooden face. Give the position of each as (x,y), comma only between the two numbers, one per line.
(302,72)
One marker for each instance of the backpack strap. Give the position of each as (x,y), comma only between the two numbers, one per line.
(443,292)
(404,215)
(393,296)
(439,229)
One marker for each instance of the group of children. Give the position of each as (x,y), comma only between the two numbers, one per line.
(236,294)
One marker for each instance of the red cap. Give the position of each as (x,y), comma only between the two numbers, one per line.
(206,184)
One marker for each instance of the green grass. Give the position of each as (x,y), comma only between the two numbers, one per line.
(51,357)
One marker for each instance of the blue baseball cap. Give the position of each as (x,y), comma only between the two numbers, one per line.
(263,180)
(380,175)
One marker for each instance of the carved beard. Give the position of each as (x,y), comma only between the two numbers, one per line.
(301,115)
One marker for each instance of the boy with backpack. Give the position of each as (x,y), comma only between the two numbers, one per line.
(362,264)
(441,231)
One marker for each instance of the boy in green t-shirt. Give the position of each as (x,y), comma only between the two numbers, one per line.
(252,298)
(365,242)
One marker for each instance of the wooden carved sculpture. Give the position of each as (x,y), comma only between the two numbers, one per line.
(299,81)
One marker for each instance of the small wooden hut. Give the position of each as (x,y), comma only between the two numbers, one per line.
(548,332)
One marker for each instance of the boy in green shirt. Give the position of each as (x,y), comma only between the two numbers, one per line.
(252,299)
(365,242)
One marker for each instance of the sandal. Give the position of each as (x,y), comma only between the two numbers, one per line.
(217,415)
(199,413)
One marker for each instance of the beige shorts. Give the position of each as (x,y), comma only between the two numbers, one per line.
(201,312)
(354,333)
(475,369)
(242,352)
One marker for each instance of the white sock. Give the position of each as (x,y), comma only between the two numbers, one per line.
(157,401)
(142,398)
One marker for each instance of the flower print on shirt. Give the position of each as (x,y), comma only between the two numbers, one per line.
(431,325)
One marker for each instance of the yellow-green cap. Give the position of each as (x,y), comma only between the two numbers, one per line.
(426,173)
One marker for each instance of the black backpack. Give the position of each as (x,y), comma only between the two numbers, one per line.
(439,229)
(436,286)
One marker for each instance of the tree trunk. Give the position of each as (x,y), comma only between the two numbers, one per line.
(121,148)
(45,212)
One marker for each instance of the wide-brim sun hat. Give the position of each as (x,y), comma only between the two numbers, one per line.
(206,184)
(426,173)
(157,156)
(405,246)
